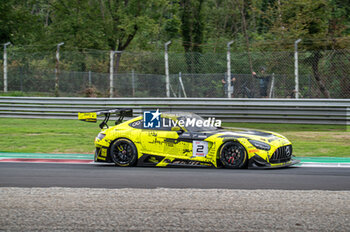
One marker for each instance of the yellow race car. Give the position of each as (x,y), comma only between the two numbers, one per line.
(185,139)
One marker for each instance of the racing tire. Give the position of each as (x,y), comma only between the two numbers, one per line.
(123,152)
(233,155)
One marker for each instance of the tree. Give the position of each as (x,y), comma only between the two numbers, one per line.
(18,24)
(103,24)
(310,20)
(123,19)
(192,30)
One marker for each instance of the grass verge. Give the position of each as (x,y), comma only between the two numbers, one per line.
(47,135)
(73,136)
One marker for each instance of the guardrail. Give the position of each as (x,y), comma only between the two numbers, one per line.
(309,111)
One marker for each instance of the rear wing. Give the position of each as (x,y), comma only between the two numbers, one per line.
(92,116)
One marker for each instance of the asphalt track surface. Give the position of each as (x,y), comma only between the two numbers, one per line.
(107,176)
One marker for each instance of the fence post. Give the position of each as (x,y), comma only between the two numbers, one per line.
(167,80)
(90,79)
(296,68)
(111,73)
(272,86)
(182,86)
(179,85)
(5,66)
(229,94)
(57,68)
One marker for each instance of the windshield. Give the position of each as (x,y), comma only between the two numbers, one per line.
(195,123)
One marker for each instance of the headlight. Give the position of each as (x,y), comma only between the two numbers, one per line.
(260,145)
(100,136)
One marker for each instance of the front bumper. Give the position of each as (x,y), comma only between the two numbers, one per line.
(101,155)
(257,162)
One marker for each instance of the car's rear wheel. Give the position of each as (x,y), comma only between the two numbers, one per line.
(123,152)
(233,155)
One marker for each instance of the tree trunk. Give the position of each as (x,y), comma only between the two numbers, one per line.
(316,59)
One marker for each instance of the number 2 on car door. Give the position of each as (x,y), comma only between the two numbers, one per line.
(200,148)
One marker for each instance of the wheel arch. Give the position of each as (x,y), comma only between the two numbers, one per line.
(225,141)
(222,144)
(118,138)
(115,139)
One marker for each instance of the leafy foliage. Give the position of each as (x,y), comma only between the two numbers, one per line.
(146,25)
(200,28)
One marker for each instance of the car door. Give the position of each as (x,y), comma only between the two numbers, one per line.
(158,141)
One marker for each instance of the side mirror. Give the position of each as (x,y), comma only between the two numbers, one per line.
(175,128)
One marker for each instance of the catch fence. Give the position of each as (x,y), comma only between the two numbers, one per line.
(322,74)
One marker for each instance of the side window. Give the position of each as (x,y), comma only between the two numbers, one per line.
(137,124)
(165,125)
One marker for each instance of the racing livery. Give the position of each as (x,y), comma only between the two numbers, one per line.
(170,143)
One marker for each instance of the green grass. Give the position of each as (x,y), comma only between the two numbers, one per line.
(47,135)
(73,136)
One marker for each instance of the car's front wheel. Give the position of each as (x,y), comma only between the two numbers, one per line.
(233,155)
(123,152)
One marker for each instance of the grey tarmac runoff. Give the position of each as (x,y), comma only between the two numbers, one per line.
(110,176)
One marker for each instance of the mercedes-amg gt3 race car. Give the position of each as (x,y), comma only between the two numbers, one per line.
(177,139)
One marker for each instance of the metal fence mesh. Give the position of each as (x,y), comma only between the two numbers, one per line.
(86,73)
